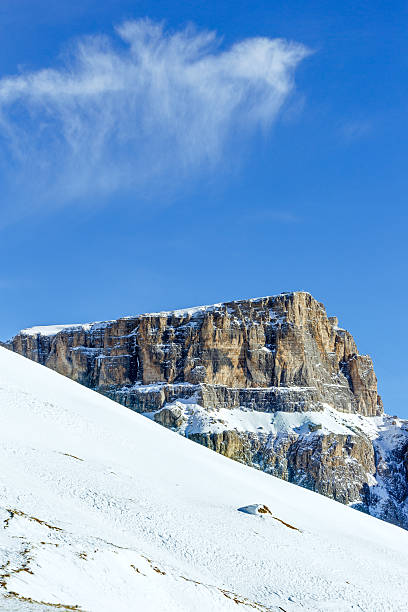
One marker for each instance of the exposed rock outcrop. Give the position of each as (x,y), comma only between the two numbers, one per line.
(273,353)
(274,356)
(334,465)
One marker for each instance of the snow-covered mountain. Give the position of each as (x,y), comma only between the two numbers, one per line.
(272,382)
(104,510)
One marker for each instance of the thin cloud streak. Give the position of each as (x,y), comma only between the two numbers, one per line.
(140,109)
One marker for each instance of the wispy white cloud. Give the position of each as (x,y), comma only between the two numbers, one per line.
(139,108)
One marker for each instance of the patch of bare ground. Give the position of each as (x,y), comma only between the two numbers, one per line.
(14,513)
(7,572)
(238,599)
(153,566)
(265,510)
(72,456)
(286,524)
(57,606)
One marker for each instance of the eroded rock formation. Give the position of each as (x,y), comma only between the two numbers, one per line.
(272,355)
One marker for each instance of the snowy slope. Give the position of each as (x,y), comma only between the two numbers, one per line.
(197,419)
(104,510)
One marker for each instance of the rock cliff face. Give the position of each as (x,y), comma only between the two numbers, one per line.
(272,382)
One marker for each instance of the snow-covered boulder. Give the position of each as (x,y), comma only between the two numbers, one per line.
(255,509)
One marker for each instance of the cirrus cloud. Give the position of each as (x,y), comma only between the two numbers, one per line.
(137,108)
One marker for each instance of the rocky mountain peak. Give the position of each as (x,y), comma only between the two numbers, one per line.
(272,382)
(283,348)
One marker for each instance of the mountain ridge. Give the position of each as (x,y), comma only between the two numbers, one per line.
(209,372)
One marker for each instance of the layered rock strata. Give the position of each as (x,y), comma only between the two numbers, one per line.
(261,357)
(273,353)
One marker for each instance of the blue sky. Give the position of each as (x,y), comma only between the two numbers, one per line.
(193,158)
